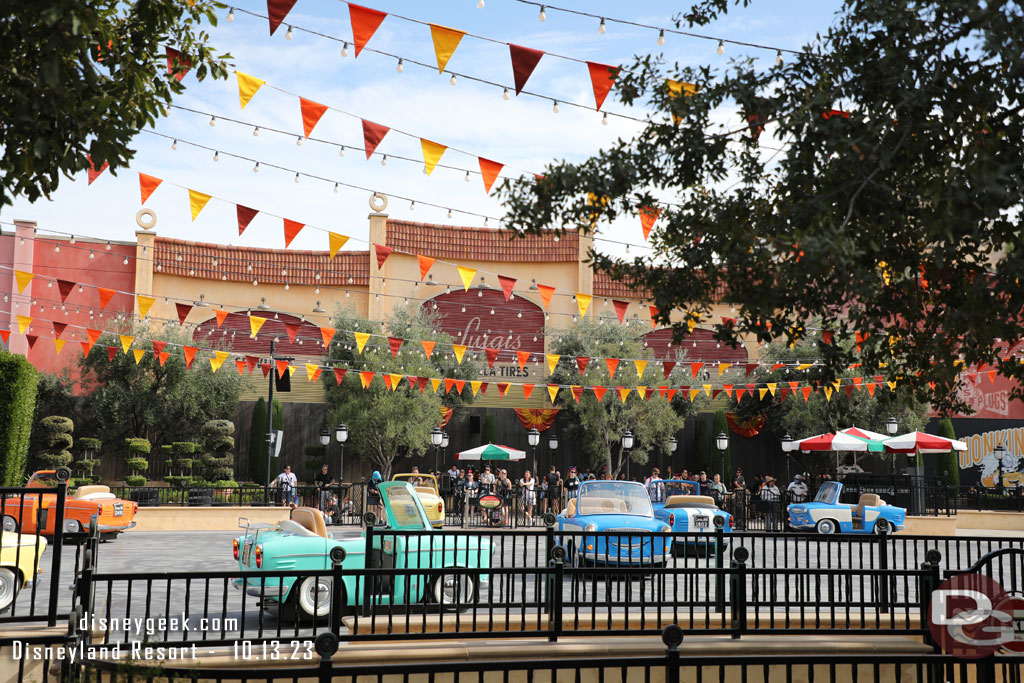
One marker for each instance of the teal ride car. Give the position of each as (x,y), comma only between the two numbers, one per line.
(302,543)
(826,515)
(677,503)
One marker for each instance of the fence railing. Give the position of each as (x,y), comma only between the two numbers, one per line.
(994,498)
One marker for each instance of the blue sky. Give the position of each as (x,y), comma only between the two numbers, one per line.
(524,132)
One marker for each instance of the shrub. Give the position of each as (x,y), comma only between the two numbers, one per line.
(218,462)
(55,436)
(180,462)
(18,383)
(135,462)
(135,480)
(87,448)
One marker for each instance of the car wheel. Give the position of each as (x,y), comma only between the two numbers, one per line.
(882,528)
(313,596)
(8,588)
(10,525)
(826,526)
(454,591)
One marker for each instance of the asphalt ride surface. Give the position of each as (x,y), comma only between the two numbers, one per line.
(139,553)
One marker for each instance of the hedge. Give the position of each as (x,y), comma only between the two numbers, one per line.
(18,383)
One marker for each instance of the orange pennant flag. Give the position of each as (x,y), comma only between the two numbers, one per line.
(190,355)
(545,294)
(240,366)
(425,264)
(522,357)
(163,356)
(647,217)
(221,316)
(599,392)
(291,229)
(311,114)
(445,42)
(428,347)
(282,367)
(489,171)
(602,76)
(448,384)
(527,391)
(365,22)
(105,296)
(148,185)
(612,363)
(432,152)
(365,378)
(328,334)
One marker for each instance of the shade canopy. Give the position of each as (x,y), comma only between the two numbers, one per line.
(914,442)
(864,434)
(491,452)
(839,441)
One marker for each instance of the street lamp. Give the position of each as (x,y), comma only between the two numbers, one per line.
(721,443)
(891,427)
(533,438)
(444,444)
(341,436)
(325,441)
(672,446)
(1000,453)
(436,437)
(627,444)
(787,448)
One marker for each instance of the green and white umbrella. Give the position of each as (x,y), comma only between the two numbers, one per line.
(491,452)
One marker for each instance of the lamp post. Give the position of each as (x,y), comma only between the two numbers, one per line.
(444,444)
(341,436)
(627,444)
(552,446)
(999,453)
(787,448)
(533,438)
(721,443)
(891,427)
(436,437)
(672,446)
(325,441)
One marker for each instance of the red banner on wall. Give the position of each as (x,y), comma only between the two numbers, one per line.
(540,419)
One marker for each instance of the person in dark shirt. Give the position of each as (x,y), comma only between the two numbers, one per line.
(323,481)
(553,500)
(571,483)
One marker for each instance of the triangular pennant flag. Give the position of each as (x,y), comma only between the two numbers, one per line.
(667,366)
(871,389)
(445,42)
(183,311)
(247,87)
(93,335)
(255,323)
(623,393)
(148,185)
(373,133)
(602,76)
(365,378)
(395,344)
(395,380)
(662,391)
(251,361)
(654,315)
(553,392)
(784,392)
(891,385)
(991,376)
(291,370)
(545,294)
(428,348)
(552,362)
(722,367)
(771,386)
(105,296)
(145,303)
(174,60)
(339,374)
(196,201)
(727,388)
(6,336)
(507,285)
(218,360)
(111,353)
(612,363)
(475,386)
(460,384)
(265,367)
(599,392)
(292,329)
(466,275)
(695,368)
(382,254)
(365,22)
(460,351)
(361,339)
(277,10)
(93,173)
(291,229)
(58,345)
(245,216)
(527,391)
(750,368)
(328,334)
(335,242)
(582,362)
(640,366)
(761,392)
(583,302)
(126,342)
(432,152)
(671,394)
(31,339)
(648,215)
(425,264)
(64,287)
(435,384)
(221,316)
(620,309)
(503,389)
(739,393)
(707,389)
(448,384)
(22,278)
(422,383)
(311,114)
(282,367)
(240,366)
(806,392)
(522,357)
(828,393)
(849,390)
(857,382)
(492,355)
(524,61)
(190,355)
(58,329)
(489,171)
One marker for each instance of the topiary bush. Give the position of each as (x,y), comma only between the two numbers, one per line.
(86,462)
(180,462)
(218,461)
(56,441)
(18,384)
(136,462)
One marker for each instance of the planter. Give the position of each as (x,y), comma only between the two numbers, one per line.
(145,497)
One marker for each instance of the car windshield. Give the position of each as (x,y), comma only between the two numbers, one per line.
(415,479)
(614,498)
(828,493)
(406,508)
(679,488)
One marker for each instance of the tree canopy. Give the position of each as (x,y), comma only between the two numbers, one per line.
(872,181)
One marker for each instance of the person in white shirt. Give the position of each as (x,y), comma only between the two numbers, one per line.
(487,478)
(770,497)
(797,489)
(287,482)
(527,485)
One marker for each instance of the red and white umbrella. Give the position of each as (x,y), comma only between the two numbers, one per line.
(837,442)
(864,434)
(916,442)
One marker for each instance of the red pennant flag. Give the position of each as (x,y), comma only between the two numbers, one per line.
(524,61)
(648,215)
(507,284)
(826,336)
(33,338)
(489,171)
(265,367)
(174,59)
(849,390)
(991,376)
(582,362)
(620,309)
(612,363)
(6,336)
(292,329)
(522,357)
(93,173)
(282,367)
(58,328)
(715,393)
(162,357)
(148,185)
(599,392)
(671,394)
(750,368)
(695,368)
(311,114)
(183,311)
(190,355)
(448,384)
(492,355)
(502,389)
(277,10)
(291,229)
(245,216)
(527,390)
(251,361)
(339,374)
(776,366)
(668,366)
(112,353)
(365,22)
(382,254)
(105,296)
(577,393)
(64,287)
(654,315)
(158,346)
(395,343)
(460,384)
(784,392)
(483,388)
(602,76)
(240,364)
(373,133)
(871,389)
(422,382)
(739,393)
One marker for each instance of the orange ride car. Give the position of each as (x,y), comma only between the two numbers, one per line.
(34,512)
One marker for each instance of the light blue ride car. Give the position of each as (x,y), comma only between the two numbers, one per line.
(827,515)
(677,503)
(621,507)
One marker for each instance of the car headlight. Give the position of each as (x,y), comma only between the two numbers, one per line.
(796,510)
(666,529)
(590,527)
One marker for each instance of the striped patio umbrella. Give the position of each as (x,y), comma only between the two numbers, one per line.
(491,452)
(916,442)
(838,442)
(864,434)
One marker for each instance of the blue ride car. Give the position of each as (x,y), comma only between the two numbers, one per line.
(827,515)
(678,504)
(622,508)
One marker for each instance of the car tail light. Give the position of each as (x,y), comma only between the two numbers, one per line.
(728,522)
(259,557)
(671,519)
(440,507)
(234,544)
(135,508)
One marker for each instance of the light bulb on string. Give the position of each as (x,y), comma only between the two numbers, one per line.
(661,38)
(213,121)
(505,95)
(543,15)
(449,213)
(467,176)
(174,144)
(485,221)
(344,49)
(412,205)
(256,168)
(56,250)
(288,36)
(296,177)
(108,245)
(231,14)
(555,107)
(778,58)
(216,156)
(601,28)
(604,119)
(399,68)
(298,141)
(256,131)
(721,47)
(384,160)
(451,81)
(341,151)
(72,241)
(335,188)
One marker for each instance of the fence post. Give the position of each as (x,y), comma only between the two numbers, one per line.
(883,565)
(930,579)
(738,581)
(555,576)
(465,509)
(370,520)
(337,588)
(549,548)
(63,474)
(325,644)
(719,564)
(672,636)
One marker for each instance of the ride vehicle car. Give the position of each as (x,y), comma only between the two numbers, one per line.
(20,562)
(677,503)
(622,508)
(301,543)
(34,512)
(827,515)
(427,491)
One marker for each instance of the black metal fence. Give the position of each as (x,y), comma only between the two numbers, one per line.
(996,498)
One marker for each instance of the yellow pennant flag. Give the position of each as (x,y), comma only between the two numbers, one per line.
(219,358)
(291,370)
(460,351)
(583,301)
(828,393)
(467,275)
(640,365)
(693,394)
(145,303)
(23,279)
(255,323)
(395,380)
(552,362)
(892,386)
(722,367)
(836,383)
(553,392)
(247,87)
(435,384)
(23,322)
(771,386)
(761,392)
(138,353)
(197,200)
(804,366)
(361,339)
(707,389)
(623,393)
(475,386)
(126,342)
(311,369)
(336,242)
(445,41)
(59,345)
(432,152)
